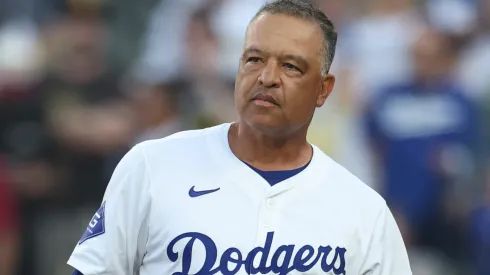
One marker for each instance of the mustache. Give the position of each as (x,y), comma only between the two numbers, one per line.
(265,97)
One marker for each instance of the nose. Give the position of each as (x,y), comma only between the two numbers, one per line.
(269,77)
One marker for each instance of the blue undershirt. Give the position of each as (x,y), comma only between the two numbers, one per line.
(272,177)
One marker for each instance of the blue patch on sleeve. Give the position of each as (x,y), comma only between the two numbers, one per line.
(96,227)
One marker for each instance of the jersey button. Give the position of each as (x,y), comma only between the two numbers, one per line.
(269,202)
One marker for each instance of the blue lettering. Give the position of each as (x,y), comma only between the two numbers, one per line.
(263,268)
(300,261)
(282,269)
(339,252)
(283,260)
(340,255)
(211,253)
(226,258)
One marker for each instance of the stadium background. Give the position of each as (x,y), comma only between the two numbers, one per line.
(81,81)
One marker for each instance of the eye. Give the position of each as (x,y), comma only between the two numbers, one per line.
(291,67)
(253,59)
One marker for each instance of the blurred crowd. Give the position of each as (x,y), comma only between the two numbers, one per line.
(81,81)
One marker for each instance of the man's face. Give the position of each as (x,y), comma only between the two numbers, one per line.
(279,83)
(431,58)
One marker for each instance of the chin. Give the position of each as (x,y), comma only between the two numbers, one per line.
(267,124)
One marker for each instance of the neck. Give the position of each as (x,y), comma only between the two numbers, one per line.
(269,153)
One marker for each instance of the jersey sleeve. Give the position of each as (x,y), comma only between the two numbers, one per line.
(386,254)
(115,239)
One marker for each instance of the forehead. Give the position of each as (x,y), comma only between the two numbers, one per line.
(285,34)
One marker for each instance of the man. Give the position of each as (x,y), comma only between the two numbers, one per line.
(424,133)
(251,196)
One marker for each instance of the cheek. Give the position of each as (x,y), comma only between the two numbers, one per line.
(303,111)
(301,101)
(244,86)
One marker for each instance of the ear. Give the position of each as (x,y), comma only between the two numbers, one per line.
(327,88)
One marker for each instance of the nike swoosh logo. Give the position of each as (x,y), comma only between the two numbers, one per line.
(193,193)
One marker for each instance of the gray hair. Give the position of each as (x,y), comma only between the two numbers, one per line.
(304,9)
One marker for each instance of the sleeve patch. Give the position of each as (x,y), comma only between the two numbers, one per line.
(96,227)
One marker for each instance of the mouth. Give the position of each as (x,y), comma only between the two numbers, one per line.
(264,100)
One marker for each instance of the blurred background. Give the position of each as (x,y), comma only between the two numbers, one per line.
(81,81)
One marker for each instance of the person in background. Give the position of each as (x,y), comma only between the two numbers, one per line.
(90,124)
(423,134)
(9,234)
(157,110)
(211,89)
(375,53)
(61,134)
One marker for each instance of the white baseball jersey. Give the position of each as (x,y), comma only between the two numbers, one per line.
(186,204)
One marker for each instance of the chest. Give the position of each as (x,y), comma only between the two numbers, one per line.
(232,224)
(424,117)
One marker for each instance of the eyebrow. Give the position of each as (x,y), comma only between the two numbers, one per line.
(301,61)
(252,50)
(293,57)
